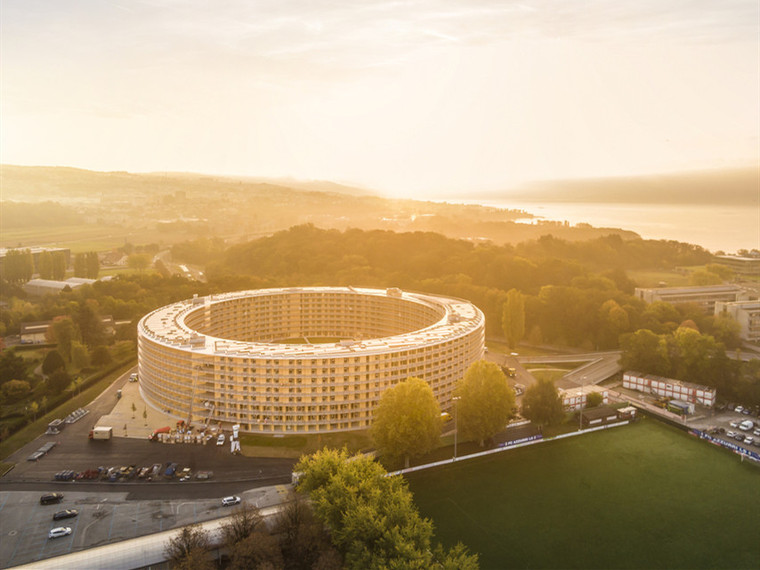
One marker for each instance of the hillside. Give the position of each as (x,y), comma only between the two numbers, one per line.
(111,208)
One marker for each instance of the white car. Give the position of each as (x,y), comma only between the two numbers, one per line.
(60,531)
(229,501)
(734,424)
(739,409)
(133,377)
(749,440)
(220,439)
(746,425)
(730,434)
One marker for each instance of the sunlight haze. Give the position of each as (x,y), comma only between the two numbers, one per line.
(417,99)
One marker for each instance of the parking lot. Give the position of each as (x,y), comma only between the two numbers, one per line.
(102,518)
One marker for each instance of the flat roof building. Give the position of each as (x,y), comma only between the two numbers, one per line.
(745,266)
(302,360)
(705,296)
(670,388)
(747,314)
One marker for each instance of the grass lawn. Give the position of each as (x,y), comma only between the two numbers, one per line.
(550,374)
(653,278)
(296,445)
(641,496)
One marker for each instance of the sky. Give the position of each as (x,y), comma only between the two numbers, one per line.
(415,98)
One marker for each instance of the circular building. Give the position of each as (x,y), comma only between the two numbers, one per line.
(302,360)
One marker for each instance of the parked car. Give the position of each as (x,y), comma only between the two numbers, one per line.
(60,531)
(170,470)
(739,409)
(229,501)
(203,475)
(756,431)
(731,434)
(746,425)
(50,498)
(133,377)
(220,439)
(749,440)
(739,437)
(67,514)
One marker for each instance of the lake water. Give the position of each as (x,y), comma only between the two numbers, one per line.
(714,227)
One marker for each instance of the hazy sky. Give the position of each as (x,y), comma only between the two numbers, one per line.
(407,97)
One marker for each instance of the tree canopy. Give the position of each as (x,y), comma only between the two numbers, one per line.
(486,401)
(513,318)
(542,403)
(407,421)
(372,518)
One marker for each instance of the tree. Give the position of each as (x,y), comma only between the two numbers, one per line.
(18,266)
(34,407)
(44,404)
(92,265)
(138,261)
(542,403)
(59,381)
(189,549)
(644,351)
(12,366)
(63,332)
(593,399)
(513,318)
(46,265)
(80,357)
(407,421)
(90,323)
(80,265)
(486,401)
(372,518)
(14,390)
(258,550)
(303,539)
(241,525)
(100,356)
(52,362)
(59,265)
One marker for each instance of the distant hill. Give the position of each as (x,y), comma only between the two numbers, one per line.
(113,207)
(737,186)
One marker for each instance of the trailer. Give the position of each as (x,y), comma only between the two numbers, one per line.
(101,432)
(155,435)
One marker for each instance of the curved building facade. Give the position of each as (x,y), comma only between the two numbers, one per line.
(302,360)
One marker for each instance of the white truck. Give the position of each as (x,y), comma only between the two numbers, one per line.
(101,432)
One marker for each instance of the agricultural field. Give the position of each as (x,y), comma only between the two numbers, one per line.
(640,496)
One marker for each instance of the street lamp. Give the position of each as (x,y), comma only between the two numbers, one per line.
(456,399)
(580,400)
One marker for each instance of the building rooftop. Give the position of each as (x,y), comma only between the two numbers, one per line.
(167,326)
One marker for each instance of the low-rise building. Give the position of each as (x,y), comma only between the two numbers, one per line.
(747,314)
(600,416)
(42,287)
(670,388)
(575,398)
(705,296)
(745,266)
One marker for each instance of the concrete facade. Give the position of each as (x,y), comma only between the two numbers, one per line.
(705,296)
(235,358)
(747,314)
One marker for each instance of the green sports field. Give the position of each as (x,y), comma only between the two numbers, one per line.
(639,496)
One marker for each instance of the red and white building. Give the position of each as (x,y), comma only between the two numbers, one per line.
(575,398)
(670,388)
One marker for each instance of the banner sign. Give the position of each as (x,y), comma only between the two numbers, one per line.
(727,444)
